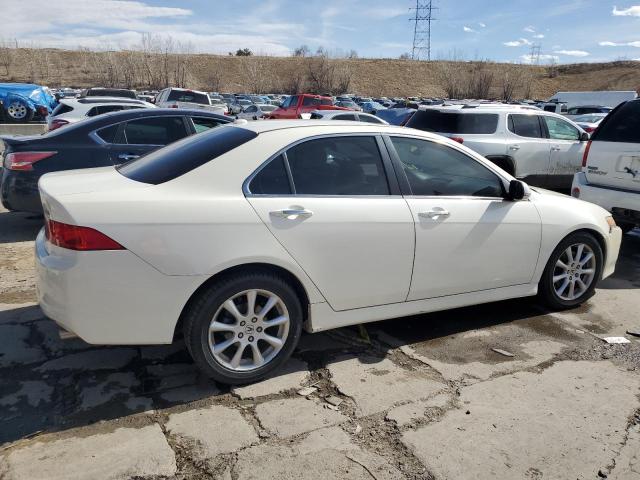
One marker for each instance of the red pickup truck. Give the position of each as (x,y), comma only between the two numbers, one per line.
(296,105)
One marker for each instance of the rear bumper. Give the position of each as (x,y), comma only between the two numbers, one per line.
(109,297)
(613,200)
(19,191)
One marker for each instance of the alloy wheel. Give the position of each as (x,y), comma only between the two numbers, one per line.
(17,111)
(574,271)
(249,330)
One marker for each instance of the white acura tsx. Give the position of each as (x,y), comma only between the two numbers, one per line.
(242,236)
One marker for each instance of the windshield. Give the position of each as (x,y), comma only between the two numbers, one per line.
(592,118)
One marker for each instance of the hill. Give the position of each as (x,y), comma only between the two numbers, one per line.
(390,77)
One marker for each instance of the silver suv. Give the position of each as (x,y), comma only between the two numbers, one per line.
(541,148)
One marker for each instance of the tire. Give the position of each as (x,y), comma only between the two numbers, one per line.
(242,329)
(588,273)
(18,112)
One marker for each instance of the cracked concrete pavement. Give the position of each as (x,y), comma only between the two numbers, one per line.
(422,397)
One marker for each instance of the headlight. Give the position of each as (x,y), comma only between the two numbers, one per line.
(611,222)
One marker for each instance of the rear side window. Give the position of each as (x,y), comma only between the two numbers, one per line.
(189,97)
(346,116)
(272,179)
(202,124)
(549,108)
(99,110)
(454,122)
(622,125)
(188,154)
(154,131)
(108,134)
(308,101)
(525,126)
(338,166)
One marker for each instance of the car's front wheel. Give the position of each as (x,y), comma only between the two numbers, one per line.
(571,273)
(244,327)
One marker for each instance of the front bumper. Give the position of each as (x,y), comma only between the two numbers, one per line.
(109,297)
(613,242)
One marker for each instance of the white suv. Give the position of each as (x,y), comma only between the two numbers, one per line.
(542,148)
(186,98)
(610,176)
(75,109)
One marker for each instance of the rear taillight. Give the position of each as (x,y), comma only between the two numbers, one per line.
(575,192)
(586,154)
(55,124)
(74,237)
(24,161)
(589,129)
(457,139)
(175,105)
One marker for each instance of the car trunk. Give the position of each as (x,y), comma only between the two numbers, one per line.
(614,164)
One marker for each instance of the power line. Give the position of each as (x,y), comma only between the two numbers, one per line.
(422,29)
(535,54)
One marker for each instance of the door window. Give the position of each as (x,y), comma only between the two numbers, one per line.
(433,169)
(309,101)
(525,125)
(272,179)
(338,166)
(154,131)
(108,133)
(202,124)
(561,130)
(347,116)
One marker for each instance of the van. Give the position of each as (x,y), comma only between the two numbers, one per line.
(610,175)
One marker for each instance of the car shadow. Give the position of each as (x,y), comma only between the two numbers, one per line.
(19,226)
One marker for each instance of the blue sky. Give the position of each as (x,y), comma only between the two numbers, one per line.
(566,30)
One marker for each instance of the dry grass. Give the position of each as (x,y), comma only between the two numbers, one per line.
(369,76)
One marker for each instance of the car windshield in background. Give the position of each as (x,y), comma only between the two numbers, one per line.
(454,122)
(185,155)
(268,108)
(589,118)
(188,97)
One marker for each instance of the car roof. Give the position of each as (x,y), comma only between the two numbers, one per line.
(331,126)
(104,101)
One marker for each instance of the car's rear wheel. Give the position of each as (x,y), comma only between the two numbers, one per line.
(18,112)
(244,327)
(571,273)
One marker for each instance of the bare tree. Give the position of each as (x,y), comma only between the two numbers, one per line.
(511,79)
(7,53)
(451,76)
(405,56)
(302,51)
(254,72)
(479,80)
(352,54)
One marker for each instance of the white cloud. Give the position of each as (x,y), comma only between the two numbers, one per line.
(635,44)
(529,29)
(381,13)
(627,12)
(572,53)
(468,29)
(542,58)
(539,35)
(517,43)
(482,25)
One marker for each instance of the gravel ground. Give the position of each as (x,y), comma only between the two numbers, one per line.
(417,398)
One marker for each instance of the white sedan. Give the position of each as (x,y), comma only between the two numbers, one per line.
(242,236)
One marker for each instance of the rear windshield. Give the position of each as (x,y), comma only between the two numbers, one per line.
(185,155)
(189,97)
(106,92)
(622,125)
(454,122)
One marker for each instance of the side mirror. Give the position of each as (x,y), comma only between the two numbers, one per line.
(516,190)
(585,137)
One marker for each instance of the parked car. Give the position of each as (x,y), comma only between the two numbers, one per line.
(590,121)
(541,148)
(396,116)
(108,92)
(342,115)
(255,112)
(349,104)
(574,112)
(296,105)
(610,175)
(603,97)
(553,107)
(105,140)
(371,107)
(23,102)
(185,98)
(241,237)
(73,110)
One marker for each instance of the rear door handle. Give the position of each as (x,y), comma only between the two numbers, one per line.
(434,213)
(555,148)
(514,147)
(127,156)
(291,212)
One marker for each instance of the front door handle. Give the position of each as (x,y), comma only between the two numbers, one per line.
(127,156)
(514,147)
(435,213)
(292,212)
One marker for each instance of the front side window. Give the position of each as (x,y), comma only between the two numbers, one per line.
(272,179)
(525,126)
(338,166)
(561,130)
(154,131)
(433,169)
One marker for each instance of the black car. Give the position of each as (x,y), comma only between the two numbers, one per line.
(105,140)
